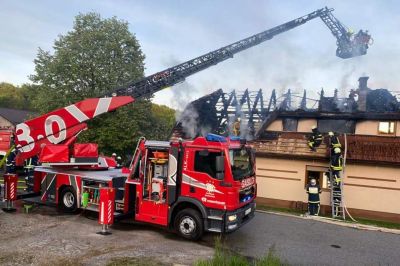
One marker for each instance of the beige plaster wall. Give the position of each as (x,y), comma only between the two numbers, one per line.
(371,128)
(275,126)
(375,188)
(304,125)
(367,128)
(284,179)
(5,123)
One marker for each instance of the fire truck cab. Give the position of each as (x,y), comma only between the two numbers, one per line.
(207,184)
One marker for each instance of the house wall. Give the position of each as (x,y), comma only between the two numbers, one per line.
(284,179)
(370,127)
(372,191)
(305,125)
(275,126)
(367,128)
(5,123)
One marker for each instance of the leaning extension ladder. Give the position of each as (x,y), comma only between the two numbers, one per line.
(337,199)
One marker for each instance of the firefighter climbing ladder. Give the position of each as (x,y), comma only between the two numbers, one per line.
(337,199)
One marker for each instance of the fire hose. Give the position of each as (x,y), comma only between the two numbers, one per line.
(344,167)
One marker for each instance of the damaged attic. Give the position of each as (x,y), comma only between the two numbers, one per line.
(278,127)
(177,133)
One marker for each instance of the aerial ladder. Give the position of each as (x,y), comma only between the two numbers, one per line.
(63,125)
(347,46)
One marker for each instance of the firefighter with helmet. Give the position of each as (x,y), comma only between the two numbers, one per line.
(334,141)
(313,191)
(119,162)
(236,127)
(315,139)
(336,166)
(29,165)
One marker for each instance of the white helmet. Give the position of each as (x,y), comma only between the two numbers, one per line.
(114,154)
(119,158)
(337,150)
(313,181)
(330,133)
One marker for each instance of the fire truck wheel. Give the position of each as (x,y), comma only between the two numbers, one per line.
(67,200)
(188,224)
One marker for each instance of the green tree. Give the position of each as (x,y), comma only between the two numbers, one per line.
(14,97)
(96,56)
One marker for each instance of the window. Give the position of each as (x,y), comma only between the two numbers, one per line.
(241,163)
(290,124)
(206,163)
(320,174)
(387,127)
(337,125)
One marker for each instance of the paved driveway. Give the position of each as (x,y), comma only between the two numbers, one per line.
(47,237)
(311,242)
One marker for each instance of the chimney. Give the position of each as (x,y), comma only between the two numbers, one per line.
(362,93)
(362,83)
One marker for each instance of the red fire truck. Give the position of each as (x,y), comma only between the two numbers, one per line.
(207,184)
(5,140)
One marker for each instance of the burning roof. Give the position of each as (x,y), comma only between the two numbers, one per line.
(216,112)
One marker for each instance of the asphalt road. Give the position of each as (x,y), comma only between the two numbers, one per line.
(310,242)
(45,236)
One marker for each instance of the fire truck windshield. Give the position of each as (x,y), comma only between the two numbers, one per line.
(241,163)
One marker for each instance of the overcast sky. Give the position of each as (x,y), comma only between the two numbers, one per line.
(171,32)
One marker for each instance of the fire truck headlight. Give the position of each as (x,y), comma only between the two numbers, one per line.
(232,218)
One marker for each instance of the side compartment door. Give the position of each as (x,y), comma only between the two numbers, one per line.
(48,188)
(152,206)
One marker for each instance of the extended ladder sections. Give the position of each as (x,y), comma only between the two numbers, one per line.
(336,181)
(147,86)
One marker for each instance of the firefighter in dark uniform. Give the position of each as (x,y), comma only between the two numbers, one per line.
(313,191)
(334,141)
(10,162)
(336,165)
(119,162)
(336,168)
(315,139)
(29,166)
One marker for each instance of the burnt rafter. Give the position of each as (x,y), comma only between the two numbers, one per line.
(218,111)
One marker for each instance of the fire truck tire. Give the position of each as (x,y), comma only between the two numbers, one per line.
(188,224)
(67,200)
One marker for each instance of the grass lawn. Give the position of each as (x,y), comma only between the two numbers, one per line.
(224,257)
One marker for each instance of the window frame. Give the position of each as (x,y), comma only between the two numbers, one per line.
(389,133)
(212,150)
(319,169)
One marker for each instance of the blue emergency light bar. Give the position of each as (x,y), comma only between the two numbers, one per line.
(215,138)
